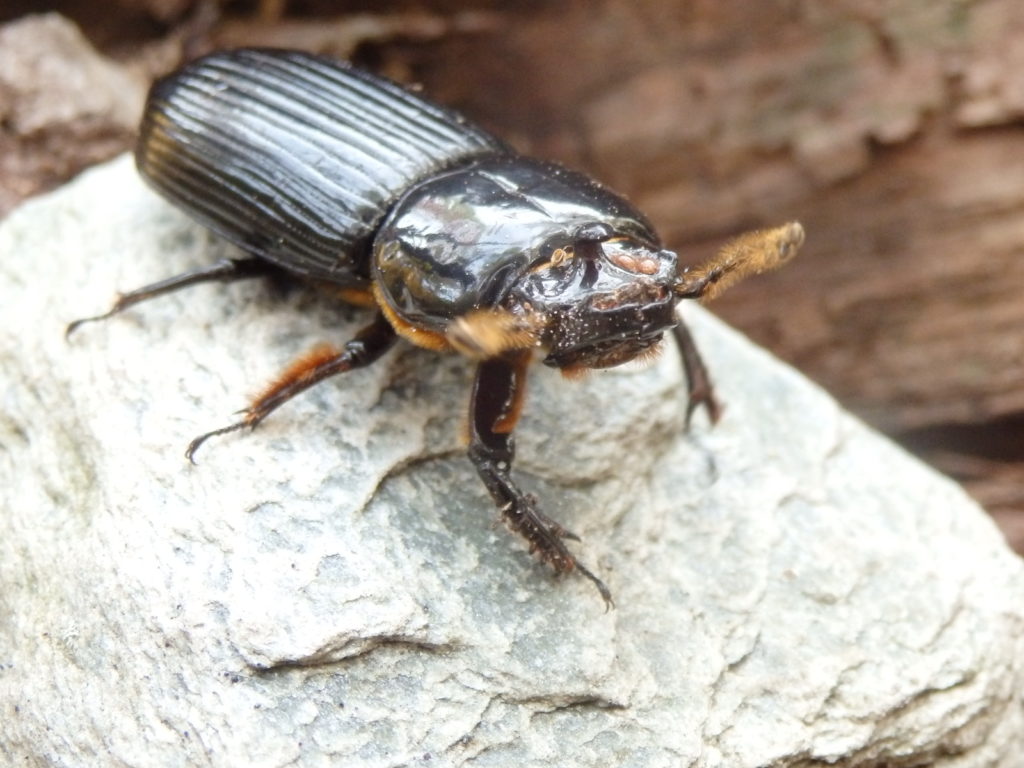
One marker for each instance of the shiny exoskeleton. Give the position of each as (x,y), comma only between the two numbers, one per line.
(337,176)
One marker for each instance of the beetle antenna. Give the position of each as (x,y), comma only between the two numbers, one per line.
(749,254)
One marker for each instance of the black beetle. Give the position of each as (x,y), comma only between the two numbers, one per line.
(336,176)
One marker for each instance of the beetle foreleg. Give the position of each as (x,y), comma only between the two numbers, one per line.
(368,345)
(698,383)
(487,333)
(497,396)
(222,270)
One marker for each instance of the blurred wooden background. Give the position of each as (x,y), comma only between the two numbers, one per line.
(893,130)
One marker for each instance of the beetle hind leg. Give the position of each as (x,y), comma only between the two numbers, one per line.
(222,270)
(315,366)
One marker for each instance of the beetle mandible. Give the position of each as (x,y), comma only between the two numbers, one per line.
(334,175)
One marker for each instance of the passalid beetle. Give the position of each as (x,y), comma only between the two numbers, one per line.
(336,176)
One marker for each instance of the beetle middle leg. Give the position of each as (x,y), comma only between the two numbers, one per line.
(368,345)
(495,405)
(222,270)
(698,382)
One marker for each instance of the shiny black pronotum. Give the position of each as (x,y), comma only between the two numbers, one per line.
(457,243)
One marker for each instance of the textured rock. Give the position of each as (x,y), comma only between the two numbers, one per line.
(792,589)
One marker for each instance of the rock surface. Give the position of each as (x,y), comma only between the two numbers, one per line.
(792,589)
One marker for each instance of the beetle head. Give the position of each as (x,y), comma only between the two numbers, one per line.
(605,298)
(600,297)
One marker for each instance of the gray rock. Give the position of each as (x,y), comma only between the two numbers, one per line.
(792,589)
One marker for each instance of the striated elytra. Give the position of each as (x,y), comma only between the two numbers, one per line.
(333,175)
